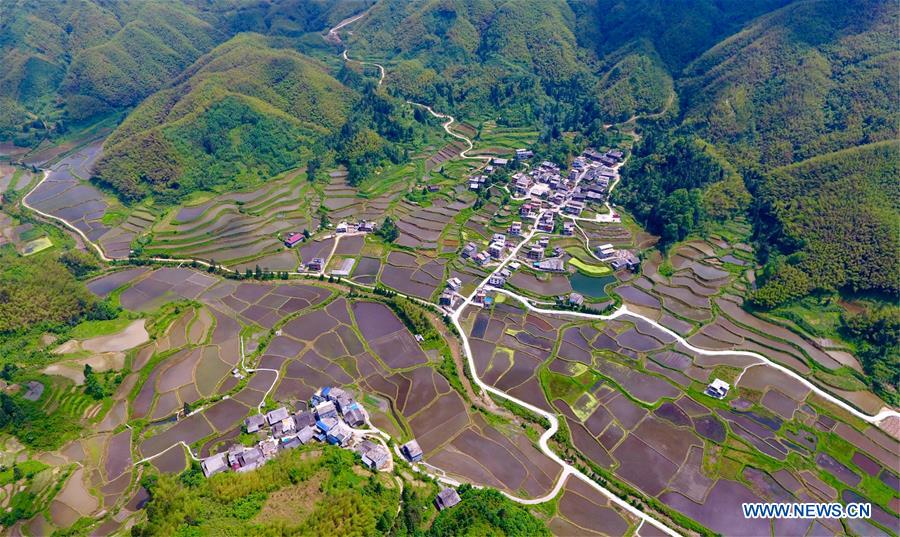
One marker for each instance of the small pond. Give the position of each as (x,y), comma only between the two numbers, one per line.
(591,286)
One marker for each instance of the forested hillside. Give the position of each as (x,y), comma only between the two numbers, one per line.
(243,112)
(813,77)
(69,62)
(835,217)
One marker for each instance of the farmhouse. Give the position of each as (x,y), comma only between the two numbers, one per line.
(354,416)
(292,239)
(317,264)
(718,388)
(568,228)
(497,161)
(536,253)
(496,280)
(515,228)
(524,154)
(575,299)
(454,284)
(469,250)
(375,456)
(411,451)
(446,299)
(446,499)
(326,409)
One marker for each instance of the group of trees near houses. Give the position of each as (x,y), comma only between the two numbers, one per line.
(673,183)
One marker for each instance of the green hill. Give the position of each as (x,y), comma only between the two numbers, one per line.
(811,78)
(242,113)
(835,216)
(70,62)
(475,56)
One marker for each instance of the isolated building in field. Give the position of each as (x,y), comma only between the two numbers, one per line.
(718,388)
(293,239)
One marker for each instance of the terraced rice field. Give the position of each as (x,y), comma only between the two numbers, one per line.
(320,341)
(632,400)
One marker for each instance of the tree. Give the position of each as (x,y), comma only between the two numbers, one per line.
(388,230)
(312,169)
(92,385)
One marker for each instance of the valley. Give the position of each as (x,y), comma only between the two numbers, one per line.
(543,311)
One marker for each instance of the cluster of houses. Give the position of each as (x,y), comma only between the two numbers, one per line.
(494,251)
(332,416)
(587,181)
(618,259)
(363,226)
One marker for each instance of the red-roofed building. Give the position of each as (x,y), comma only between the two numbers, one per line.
(292,239)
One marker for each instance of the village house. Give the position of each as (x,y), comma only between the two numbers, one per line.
(496,280)
(411,451)
(366,225)
(623,259)
(446,499)
(354,416)
(592,154)
(454,284)
(446,299)
(489,169)
(495,249)
(526,211)
(339,434)
(551,264)
(568,228)
(574,208)
(469,250)
(277,415)
(326,409)
(481,258)
(515,229)
(616,154)
(718,388)
(499,237)
(215,464)
(254,423)
(497,161)
(575,299)
(341,227)
(536,253)
(524,154)
(546,223)
(316,265)
(250,459)
(514,265)
(375,456)
(522,185)
(293,239)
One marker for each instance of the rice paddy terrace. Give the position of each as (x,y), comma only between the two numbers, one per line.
(628,394)
(297,336)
